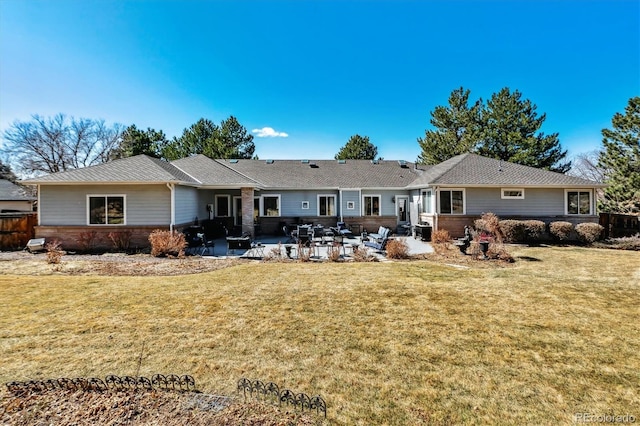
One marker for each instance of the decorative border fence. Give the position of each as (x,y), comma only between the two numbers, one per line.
(271,392)
(111,382)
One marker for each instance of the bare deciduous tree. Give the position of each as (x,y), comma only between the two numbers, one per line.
(59,143)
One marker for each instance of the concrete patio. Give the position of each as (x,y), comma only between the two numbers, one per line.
(268,246)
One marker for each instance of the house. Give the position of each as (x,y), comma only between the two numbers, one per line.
(138,194)
(14,198)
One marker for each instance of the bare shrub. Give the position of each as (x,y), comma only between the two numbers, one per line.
(534,230)
(589,232)
(513,230)
(622,243)
(490,223)
(361,254)
(54,252)
(440,236)
(87,240)
(275,254)
(304,252)
(333,253)
(397,249)
(121,240)
(167,243)
(499,252)
(561,230)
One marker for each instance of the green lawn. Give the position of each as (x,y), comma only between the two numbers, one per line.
(555,334)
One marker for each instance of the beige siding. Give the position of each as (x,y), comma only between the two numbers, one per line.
(67,205)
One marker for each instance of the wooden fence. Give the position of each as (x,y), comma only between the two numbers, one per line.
(16,229)
(619,225)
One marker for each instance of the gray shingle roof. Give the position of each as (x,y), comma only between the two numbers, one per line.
(9,191)
(295,174)
(462,170)
(474,170)
(137,169)
(212,172)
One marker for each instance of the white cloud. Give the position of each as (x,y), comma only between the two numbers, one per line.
(268,132)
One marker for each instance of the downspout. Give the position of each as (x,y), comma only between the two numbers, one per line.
(39,207)
(340,204)
(436,208)
(172,188)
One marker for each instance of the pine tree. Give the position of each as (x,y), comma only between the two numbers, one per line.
(357,148)
(620,160)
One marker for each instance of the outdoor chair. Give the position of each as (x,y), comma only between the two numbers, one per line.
(344,230)
(382,234)
(303,235)
(378,245)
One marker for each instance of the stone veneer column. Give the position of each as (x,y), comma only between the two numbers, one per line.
(247,211)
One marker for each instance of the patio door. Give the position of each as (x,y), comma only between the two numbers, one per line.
(237,211)
(402,209)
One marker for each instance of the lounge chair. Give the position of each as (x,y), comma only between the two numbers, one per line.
(383,233)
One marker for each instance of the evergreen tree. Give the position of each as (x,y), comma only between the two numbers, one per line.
(357,148)
(136,142)
(509,126)
(6,173)
(620,160)
(456,129)
(229,140)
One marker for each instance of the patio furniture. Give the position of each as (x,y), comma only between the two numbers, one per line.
(344,230)
(382,234)
(378,245)
(423,230)
(194,236)
(238,243)
(303,234)
(36,244)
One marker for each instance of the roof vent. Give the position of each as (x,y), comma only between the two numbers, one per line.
(304,161)
(403,164)
(313,165)
(269,161)
(342,161)
(375,161)
(233,160)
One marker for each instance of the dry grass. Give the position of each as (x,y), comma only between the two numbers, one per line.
(384,343)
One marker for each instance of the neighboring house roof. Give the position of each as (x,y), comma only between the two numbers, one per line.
(9,191)
(319,174)
(475,170)
(212,172)
(137,169)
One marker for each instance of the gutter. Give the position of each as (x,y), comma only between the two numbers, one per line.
(172,188)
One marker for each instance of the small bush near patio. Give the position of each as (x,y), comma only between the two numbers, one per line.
(440,236)
(167,243)
(534,230)
(361,254)
(589,233)
(54,252)
(561,230)
(513,230)
(490,223)
(397,249)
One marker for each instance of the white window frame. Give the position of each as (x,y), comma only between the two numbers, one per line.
(379,197)
(105,196)
(229,206)
(578,190)
(351,205)
(305,205)
(464,201)
(335,205)
(262,210)
(512,197)
(427,207)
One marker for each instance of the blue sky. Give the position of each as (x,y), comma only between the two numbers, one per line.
(317,71)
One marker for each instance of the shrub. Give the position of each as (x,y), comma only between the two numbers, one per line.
(490,223)
(498,251)
(441,236)
(397,249)
(361,254)
(87,240)
(54,252)
(513,230)
(534,229)
(121,240)
(167,243)
(561,230)
(589,232)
